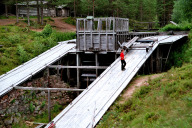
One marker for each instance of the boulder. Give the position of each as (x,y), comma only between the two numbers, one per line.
(8,121)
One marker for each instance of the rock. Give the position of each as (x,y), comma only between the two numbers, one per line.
(37,108)
(43,93)
(2,111)
(8,121)
(59,94)
(16,120)
(18,114)
(36,112)
(40,112)
(16,102)
(15,109)
(9,111)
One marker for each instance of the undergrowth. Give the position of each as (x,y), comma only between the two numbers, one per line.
(70,20)
(184,26)
(21,44)
(165,102)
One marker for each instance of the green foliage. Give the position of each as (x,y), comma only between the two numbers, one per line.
(23,56)
(31,107)
(185,26)
(14,39)
(182,11)
(165,102)
(47,31)
(20,45)
(142,91)
(57,108)
(70,20)
(43,104)
(13,101)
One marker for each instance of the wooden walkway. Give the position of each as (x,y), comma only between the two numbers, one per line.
(87,109)
(30,68)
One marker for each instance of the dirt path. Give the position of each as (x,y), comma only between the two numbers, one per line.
(58,24)
(138,82)
(7,21)
(62,26)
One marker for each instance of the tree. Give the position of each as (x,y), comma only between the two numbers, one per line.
(182,11)
(17,16)
(38,14)
(164,11)
(28,20)
(41,12)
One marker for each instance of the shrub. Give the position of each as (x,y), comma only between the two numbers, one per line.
(184,26)
(151,116)
(47,30)
(31,107)
(142,91)
(38,48)
(23,57)
(14,39)
(70,20)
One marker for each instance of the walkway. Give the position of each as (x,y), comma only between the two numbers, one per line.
(28,69)
(88,108)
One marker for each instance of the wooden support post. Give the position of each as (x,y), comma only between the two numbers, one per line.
(68,72)
(157,61)
(96,63)
(151,63)
(49,105)
(143,68)
(87,81)
(77,63)
(57,71)
(47,77)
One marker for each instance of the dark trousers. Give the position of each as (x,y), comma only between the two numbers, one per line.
(123,64)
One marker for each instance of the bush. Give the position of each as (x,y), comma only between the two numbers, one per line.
(23,57)
(70,20)
(14,39)
(142,91)
(38,48)
(47,31)
(31,107)
(185,26)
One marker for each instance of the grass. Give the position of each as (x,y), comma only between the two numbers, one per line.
(185,26)
(166,102)
(21,44)
(70,20)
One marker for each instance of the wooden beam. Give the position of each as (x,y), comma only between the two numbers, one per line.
(78,67)
(49,105)
(46,89)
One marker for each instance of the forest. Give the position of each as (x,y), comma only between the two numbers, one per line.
(139,10)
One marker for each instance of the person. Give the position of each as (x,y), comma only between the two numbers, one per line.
(123,63)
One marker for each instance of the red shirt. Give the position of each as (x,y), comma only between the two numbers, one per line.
(122,56)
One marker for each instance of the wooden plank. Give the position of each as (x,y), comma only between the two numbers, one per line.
(78,67)
(46,89)
(89,75)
